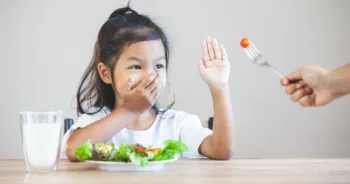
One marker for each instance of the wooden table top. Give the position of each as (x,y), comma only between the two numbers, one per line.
(235,171)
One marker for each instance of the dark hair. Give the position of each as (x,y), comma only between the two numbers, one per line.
(123,28)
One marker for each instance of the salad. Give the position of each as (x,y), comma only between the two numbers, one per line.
(137,154)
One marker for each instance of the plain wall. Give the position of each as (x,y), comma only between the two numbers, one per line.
(45,46)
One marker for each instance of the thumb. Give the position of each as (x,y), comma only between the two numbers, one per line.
(291,77)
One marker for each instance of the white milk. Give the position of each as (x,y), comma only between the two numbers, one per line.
(41,143)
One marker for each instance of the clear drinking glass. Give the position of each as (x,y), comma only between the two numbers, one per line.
(41,139)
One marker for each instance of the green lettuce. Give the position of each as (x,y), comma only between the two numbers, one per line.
(138,159)
(84,151)
(171,149)
(175,146)
(123,152)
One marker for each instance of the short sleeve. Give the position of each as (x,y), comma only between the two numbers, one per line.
(192,133)
(83,121)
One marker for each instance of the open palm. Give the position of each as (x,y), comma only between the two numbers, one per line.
(214,66)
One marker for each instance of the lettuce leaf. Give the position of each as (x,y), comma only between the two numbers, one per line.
(97,146)
(177,146)
(165,155)
(150,155)
(138,159)
(171,149)
(84,152)
(123,153)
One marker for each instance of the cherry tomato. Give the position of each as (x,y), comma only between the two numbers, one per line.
(244,42)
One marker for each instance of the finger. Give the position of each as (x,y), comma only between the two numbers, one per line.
(146,82)
(284,81)
(290,89)
(210,49)
(205,51)
(217,52)
(201,63)
(156,95)
(135,86)
(224,56)
(155,91)
(294,76)
(300,84)
(153,84)
(307,101)
(300,93)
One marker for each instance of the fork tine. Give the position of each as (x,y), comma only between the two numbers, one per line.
(255,50)
(254,55)
(249,54)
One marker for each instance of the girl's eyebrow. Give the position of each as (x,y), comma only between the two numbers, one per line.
(142,61)
(135,59)
(160,58)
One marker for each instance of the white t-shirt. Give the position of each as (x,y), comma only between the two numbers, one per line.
(173,124)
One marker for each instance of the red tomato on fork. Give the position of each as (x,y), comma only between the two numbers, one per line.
(245,42)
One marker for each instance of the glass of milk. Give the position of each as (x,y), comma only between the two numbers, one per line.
(41,137)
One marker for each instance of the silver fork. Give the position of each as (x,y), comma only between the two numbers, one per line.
(255,55)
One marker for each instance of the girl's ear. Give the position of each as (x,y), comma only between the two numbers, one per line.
(104,72)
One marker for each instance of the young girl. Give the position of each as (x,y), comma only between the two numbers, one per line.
(118,93)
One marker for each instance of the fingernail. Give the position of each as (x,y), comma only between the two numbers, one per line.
(298,86)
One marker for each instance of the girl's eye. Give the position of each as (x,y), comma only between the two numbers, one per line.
(159,66)
(135,67)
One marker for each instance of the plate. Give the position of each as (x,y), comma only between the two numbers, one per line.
(122,166)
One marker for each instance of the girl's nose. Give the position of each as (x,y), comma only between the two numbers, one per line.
(149,72)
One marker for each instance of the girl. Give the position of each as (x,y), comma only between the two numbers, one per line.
(118,93)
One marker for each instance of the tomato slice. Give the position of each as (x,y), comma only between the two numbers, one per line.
(140,149)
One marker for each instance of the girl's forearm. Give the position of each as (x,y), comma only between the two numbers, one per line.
(100,131)
(223,129)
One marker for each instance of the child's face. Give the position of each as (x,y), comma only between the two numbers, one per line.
(138,61)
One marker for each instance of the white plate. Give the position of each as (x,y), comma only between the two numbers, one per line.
(122,166)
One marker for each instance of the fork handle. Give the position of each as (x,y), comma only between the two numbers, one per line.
(279,73)
(274,70)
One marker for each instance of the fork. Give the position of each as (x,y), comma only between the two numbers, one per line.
(255,55)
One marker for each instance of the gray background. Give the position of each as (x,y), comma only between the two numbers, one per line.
(45,46)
